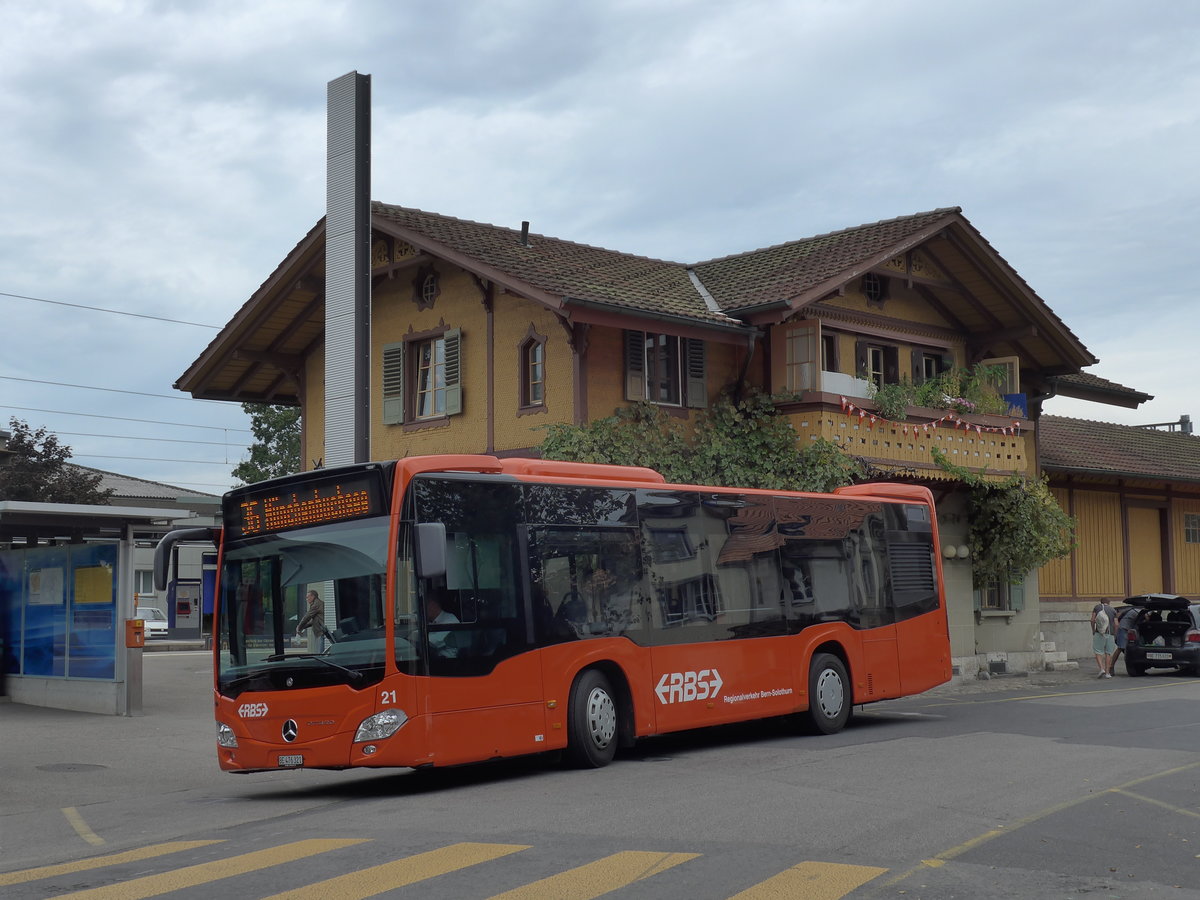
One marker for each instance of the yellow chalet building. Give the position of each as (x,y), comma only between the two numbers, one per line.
(481,335)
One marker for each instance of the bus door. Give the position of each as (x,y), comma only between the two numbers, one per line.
(483,689)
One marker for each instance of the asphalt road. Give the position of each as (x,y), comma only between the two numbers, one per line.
(1054,786)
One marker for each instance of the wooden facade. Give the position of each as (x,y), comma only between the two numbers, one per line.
(1135,496)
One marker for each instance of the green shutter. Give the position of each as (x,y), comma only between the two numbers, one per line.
(453,340)
(697,374)
(393,384)
(1016,597)
(635,365)
(977,599)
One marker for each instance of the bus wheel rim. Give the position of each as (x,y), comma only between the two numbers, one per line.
(602,717)
(830,693)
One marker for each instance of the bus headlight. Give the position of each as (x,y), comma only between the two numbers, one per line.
(381,725)
(225,736)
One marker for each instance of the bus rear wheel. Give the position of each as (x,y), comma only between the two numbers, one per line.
(592,721)
(829,699)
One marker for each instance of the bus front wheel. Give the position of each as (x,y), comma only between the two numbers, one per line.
(592,725)
(829,699)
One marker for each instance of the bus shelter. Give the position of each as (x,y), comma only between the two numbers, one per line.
(66,596)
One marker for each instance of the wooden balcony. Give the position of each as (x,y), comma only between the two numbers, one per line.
(992,446)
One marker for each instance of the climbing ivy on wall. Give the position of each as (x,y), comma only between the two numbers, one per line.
(736,442)
(1014,526)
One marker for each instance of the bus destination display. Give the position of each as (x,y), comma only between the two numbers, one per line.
(304,505)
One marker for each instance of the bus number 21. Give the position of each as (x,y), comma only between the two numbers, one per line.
(387,697)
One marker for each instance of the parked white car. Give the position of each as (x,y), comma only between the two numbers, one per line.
(155,619)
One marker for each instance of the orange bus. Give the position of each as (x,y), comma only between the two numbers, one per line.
(478,608)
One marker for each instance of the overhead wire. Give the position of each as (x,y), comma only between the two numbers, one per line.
(115,312)
(63,412)
(126,391)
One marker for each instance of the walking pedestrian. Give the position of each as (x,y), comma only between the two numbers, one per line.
(1124,622)
(1104,626)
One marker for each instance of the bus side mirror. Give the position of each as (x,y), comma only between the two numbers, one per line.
(430,551)
(162,553)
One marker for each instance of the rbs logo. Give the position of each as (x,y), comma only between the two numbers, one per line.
(681,687)
(252,710)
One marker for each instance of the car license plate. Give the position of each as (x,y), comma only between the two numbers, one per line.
(1159,656)
(291,761)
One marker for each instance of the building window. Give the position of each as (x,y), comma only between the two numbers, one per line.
(422,377)
(878,363)
(800,357)
(143,582)
(430,395)
(533,369)
(829,354)
(875,288)
(1000,596)
(663,373)
(1191,528)
(665,369)
(426,287)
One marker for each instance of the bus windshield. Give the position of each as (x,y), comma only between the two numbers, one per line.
(304,608)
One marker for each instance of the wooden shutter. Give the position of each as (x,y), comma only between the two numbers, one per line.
(453,339)
(393,384)
(1016,596)
(635,365)
(860,359)
(696,370)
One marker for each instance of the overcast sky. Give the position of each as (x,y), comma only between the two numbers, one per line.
(162,158)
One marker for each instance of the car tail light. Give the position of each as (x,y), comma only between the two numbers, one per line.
(1192,637)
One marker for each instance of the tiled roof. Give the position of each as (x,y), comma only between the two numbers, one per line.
(1079,445)
(787,270)
(1094,383)
(126,487)
(562,268)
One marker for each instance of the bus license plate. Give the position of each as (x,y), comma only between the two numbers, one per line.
(1159,656)
(291,761)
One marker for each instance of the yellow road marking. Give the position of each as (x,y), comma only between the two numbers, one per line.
(400,872)
(971,698)
(812,881)
(1144,799)
(99,862)
(945,855)
(204,873)
(81,827)
(599,877)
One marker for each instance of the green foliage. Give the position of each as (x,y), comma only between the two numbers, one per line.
(893,400)
(1016,525)
(736,442)
(37,470)
(276,447)
(971,390)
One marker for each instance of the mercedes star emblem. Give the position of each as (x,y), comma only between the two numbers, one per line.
(290,730)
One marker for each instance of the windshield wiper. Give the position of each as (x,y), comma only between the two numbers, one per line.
(353,673)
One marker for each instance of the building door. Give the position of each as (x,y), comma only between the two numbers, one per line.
(1145,550)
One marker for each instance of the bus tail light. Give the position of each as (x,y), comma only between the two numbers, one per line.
(380,726)
(225,736)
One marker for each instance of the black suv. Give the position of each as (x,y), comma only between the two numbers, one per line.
(1164,633)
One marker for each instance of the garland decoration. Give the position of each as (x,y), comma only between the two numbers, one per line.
(953,418)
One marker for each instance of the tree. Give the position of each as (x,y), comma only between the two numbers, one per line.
(276,447)
(37,470)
